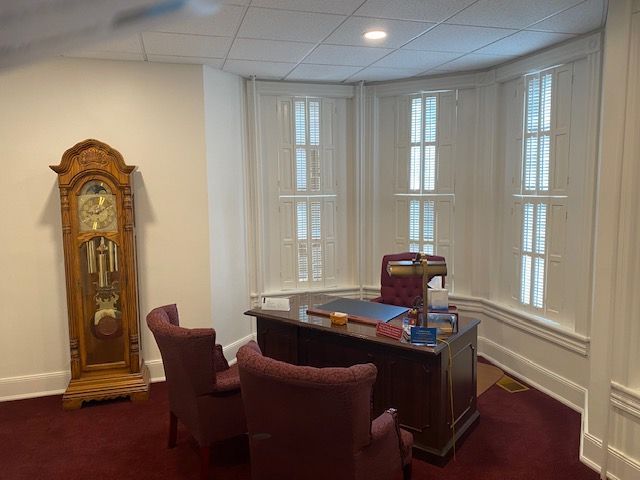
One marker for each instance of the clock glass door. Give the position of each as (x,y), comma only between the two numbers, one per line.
(101,293)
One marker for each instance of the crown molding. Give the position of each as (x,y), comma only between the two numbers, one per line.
(565,52)
(405,87)
(304,89)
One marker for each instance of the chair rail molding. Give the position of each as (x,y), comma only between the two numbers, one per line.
(626,399)
(525,322)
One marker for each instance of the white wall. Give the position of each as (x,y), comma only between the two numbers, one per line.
(612,433)
(154,115)
(225,141)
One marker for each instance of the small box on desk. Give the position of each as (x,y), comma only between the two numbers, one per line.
(445,322)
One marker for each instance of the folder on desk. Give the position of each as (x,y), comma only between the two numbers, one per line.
(362,308)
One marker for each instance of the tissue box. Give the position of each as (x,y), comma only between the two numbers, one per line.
(438,299)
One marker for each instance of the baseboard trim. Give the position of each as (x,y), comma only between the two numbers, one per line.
(55,383)
(556,386)
(29,386)
(231,350)
(620,466)
(156,370)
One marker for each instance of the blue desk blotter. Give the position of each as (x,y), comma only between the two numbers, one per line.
(361,308)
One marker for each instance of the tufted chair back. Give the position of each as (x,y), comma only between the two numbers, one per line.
(401,291)
(315,423)
(204,392)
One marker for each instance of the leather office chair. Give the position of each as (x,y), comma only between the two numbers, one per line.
(401,291)
(315,423)
(204,393)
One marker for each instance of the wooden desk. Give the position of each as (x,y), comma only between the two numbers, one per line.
(410,378)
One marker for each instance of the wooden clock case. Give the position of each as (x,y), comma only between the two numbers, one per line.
(101,279)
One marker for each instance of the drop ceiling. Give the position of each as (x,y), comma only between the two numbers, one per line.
(322,40)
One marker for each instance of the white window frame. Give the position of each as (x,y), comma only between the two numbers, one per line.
(536,197)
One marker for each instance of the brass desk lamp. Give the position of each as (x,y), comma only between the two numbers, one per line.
(422,265)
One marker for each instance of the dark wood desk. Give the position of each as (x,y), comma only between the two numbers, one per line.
(411,378)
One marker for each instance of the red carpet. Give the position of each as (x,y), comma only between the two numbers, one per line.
(522,436)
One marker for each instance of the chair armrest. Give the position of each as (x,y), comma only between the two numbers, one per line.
(382,458)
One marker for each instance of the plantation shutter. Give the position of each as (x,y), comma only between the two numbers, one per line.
(285,147)
(288,244)
(444,229)
(402,223)
(446,127)
(329,216)
(515,260)
(561,125)
(559,180)
(327,131)
(556,275)
(402,144)
(286,186)
(513,153)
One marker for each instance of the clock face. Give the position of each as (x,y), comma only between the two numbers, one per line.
(97,208)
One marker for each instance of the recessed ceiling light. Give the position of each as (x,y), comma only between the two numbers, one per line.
(375,34)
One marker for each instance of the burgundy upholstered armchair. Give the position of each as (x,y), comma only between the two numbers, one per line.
(401,291)
(204,393)
(309,423)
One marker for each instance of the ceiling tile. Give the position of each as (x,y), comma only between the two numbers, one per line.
(213,62)
(130,44)
(458,38)
(341,7)
(345,55)
(107,55)
(224,23)
(509,13)
(272,24)
(373,74)
(523,42)
(420,10)
(186,45)
(399,32)
(473,61)
(580,19)
(330,73)
(266,70)
(269,50)
(417,59)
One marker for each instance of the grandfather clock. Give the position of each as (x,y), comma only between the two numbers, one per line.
(100,267)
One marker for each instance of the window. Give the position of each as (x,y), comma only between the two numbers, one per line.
(308,211)
(307,198)
(429,194)
(536,197)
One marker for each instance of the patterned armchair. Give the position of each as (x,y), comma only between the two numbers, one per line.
(401,291)
(204,393)
(315,423)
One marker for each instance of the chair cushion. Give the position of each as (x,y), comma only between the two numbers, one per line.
(227,380)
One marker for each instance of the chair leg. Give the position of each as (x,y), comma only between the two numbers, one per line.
(406,471)
(205,454)
(173,429)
